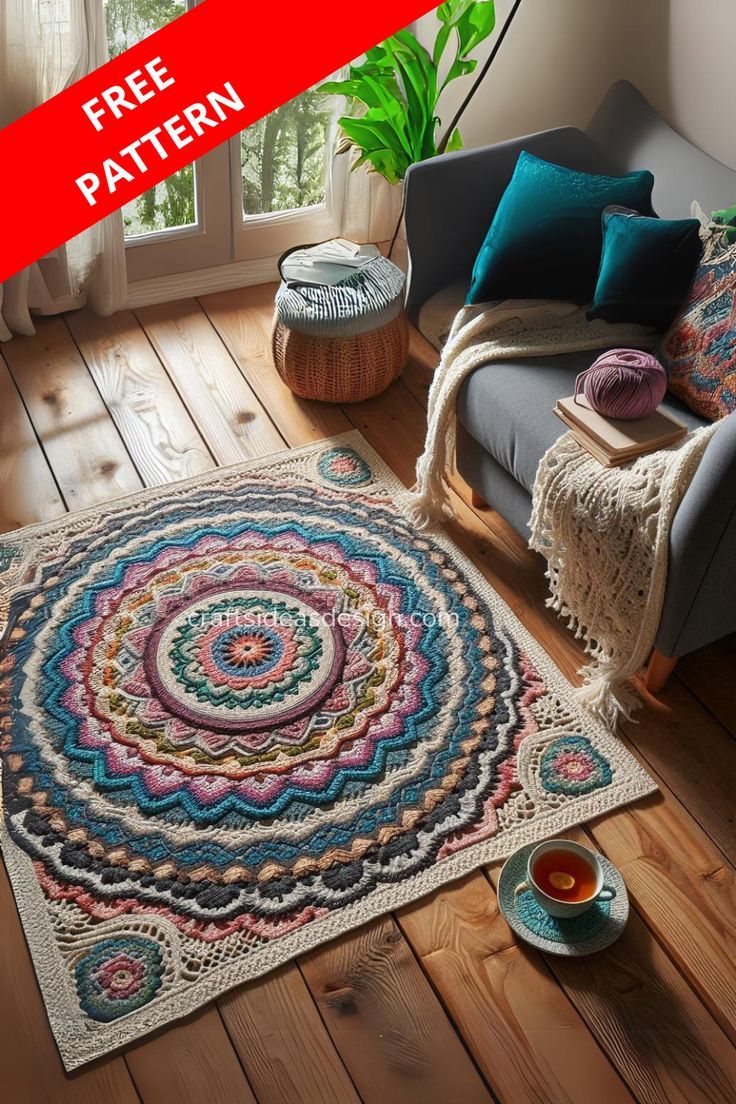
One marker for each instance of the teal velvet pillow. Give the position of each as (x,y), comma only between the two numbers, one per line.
(545,238)
(646,268)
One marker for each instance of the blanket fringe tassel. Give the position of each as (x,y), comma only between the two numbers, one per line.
(422,510)
(607,698)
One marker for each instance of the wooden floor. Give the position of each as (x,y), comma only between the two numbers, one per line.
(437,1003)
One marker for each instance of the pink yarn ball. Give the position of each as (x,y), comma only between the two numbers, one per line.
(623,383)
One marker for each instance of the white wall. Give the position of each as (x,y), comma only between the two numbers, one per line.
(685,64)
(560,57)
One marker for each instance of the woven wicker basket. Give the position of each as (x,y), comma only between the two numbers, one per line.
(341,369)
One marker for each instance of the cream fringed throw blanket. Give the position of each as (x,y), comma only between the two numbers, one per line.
(605,534)
(604,531)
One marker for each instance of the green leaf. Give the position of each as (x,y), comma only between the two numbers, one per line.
(418,110)
(409,42)
(377,55)
(376,135)
(460,69)
(451,11)
(353,89)
(443,36)
(424,71)
(725,217)
(390,109)
(474,25)
(382,161)
(455,141)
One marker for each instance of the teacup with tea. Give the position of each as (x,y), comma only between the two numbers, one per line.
(565,879)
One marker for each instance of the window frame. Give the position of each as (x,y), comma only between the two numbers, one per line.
(270,234)
(203,244)
(223,233)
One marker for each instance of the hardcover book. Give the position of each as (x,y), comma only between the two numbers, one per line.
(615,441)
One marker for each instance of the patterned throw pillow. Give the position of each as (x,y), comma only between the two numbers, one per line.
(699,349)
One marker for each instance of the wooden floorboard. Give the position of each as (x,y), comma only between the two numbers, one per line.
(28,490)
(683,889)
(188,1063)
(163,441)
(645,1015)
(243,320)
(692,752)
(710,675)
(386,1021)
(216,394)
(440,1002)
(283,1044)
(89,460)
(521,1027)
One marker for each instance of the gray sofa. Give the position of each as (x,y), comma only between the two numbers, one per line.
(505,410)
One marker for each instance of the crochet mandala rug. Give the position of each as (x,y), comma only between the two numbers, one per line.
(246,713)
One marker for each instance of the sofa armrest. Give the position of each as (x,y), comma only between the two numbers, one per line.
(700,600)
(450,201)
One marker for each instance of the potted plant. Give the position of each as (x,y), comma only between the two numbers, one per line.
(393,95)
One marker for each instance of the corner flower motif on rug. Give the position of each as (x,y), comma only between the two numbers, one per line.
(244,714)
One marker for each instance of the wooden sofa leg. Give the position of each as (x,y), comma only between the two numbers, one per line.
(659,670)
(477,501)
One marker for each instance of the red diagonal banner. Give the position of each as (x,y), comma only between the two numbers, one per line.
(166,102)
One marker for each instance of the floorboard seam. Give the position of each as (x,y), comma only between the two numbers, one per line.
(113,423)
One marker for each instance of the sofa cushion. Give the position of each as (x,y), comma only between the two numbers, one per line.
(437,314)
(699,351)
(647,266)
(507,407)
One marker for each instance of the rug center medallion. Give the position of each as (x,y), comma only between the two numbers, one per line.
(245,658)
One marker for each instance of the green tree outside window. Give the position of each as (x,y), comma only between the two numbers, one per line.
(283,156)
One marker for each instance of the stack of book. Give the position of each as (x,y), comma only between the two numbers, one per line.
(326,264)
(613,441)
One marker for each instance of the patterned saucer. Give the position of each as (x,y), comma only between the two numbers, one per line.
(593,930)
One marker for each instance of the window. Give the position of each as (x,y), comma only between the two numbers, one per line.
(250,198)
(173,202)
(284,156)
(285,183)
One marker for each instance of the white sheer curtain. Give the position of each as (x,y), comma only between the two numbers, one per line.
(46,45)
(371,206)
